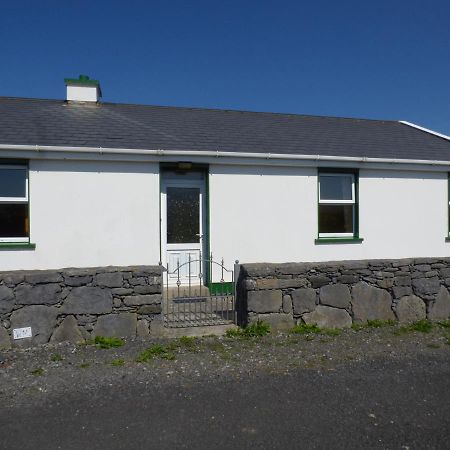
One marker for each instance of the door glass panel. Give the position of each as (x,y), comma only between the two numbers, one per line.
(183,215)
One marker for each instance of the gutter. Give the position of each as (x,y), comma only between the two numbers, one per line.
(217,154)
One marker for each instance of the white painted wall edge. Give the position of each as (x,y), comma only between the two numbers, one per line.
(216,157)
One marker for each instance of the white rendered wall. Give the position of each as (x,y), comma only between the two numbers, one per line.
(270,215)
(87,214)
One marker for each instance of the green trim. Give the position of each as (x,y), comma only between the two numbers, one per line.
(17,246)
(82,80)
(338,240)
(225,288)
(355,238)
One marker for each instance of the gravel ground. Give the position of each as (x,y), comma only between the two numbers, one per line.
(35,376)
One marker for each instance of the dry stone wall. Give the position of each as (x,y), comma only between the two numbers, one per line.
(337,294)
(75,304)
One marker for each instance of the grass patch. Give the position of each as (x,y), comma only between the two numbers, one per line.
(156,351)
(187,341)
(57,357)
(305,328)
(254,330)
(422,326)
(84,365)
(108,342)
(444,323)
(376,323)
(332,331)
(37,372)
(117,362)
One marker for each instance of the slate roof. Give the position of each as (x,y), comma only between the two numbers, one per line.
(56,122)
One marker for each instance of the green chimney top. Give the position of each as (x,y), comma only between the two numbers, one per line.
(82,80)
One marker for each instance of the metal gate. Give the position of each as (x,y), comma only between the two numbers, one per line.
(194,300)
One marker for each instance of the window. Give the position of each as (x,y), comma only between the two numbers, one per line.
(337,205)
(14,223)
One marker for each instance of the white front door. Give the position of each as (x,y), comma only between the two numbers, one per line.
(182,227)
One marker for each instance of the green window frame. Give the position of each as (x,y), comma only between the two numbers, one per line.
(14,205)
(337,206)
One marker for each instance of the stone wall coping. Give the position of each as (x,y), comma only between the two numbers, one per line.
(298,268)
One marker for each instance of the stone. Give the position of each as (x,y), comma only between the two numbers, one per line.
(404,280)
(111,280)
(440,308)
(410,309)
(348,279)
(422,267)
(68,331)
(44,276)
(287,304)
(79,272)
(14,278)
(43,294)
(328,317)
(267,283)
(426,286)
(117,303)
(386,283)
(150,309)
(6,300)
(319,280)
(138,300)
(292,283)
(303,300)
(277,322)
(142,328)
(140,281)
(116,325)
(122,291)
(401,291)
(88,300)
(148,289)
(78,281)
(445,273)
(5,341)
(371,303)
(337,295)
(264,301)
(41,319)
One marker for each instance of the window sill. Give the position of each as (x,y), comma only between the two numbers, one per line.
(17,246)
(337,240)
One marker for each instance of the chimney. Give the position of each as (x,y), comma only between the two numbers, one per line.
(83,89)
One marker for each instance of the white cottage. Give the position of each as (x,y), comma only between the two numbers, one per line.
(85,183)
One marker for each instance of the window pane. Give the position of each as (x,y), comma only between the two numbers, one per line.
(13,182)
(336,218)
(13,220)
(183,215)
(336,187)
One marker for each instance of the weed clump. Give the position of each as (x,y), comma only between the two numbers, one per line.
(254,330)
(117,362)
(187,341)
(108,342)
(37,372)
(57,357)
(155,351)
(422,326)
(306,328)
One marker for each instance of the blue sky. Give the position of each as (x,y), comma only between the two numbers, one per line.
(373,59)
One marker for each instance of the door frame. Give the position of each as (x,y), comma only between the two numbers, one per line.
(169,178)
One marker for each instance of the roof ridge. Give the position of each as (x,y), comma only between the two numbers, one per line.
(198,108)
